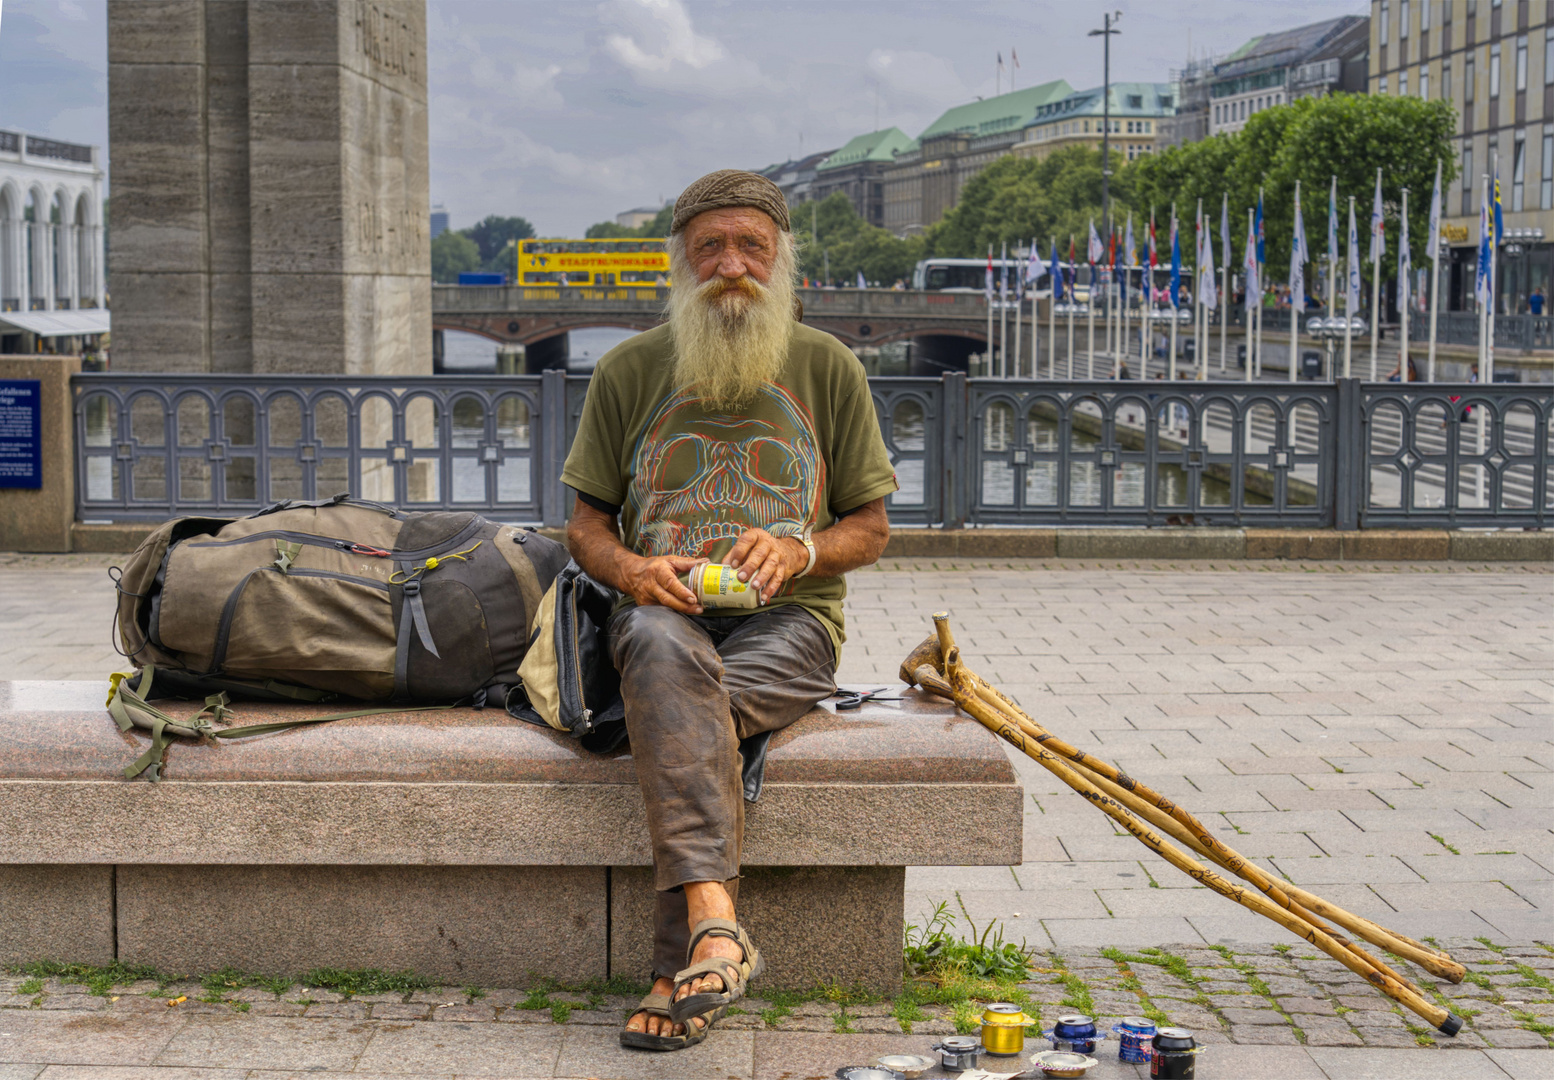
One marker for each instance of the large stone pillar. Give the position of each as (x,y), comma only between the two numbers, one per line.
(270,185)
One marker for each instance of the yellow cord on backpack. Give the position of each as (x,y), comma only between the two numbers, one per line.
(400,577)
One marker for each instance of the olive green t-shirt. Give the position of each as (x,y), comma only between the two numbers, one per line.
(689,480)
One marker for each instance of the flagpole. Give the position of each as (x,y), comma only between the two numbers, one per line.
(1487,372)
(988,359)
(1262,272)
(1252,304)
(1019,317)
(1175,243)
(1348,315)
(1090,328)
(1035,317)
(1402,313)
(1332,270)
(1375,284)
(1052,314)
(1435,272)
(1121,356)
(1296,302)
(1073,269)
(1003,310)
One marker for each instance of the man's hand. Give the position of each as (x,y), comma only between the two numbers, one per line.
(657,581)
(766,562)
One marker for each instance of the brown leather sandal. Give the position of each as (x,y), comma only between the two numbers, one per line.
(658,1005)
(736,975)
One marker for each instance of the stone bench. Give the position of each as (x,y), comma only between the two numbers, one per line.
(464,845)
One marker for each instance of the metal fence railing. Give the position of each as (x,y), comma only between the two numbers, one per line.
(978,451)
(1462,328)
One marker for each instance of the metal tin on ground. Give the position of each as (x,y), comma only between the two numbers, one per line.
(1173,1055)
(718,586)
(1075,1033)
(1134,1038)
(957,1053)
(1003,1028)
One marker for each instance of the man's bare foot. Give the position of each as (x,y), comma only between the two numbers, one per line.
(708,900)
(656,1025)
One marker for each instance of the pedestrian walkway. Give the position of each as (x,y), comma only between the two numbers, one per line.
(1378,733)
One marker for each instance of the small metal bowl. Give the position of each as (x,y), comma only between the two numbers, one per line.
(910,1066)
(867,1072)
(1062,1063)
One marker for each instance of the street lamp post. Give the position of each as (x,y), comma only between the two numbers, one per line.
(1108,28)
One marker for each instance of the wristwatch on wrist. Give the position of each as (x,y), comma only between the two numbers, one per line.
(804,538)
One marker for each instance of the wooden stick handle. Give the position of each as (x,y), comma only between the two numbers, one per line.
(963,687)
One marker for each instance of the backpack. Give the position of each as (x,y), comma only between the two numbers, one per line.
(335,598)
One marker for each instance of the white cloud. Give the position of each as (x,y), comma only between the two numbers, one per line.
(667,36)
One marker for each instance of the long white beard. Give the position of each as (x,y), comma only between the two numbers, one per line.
(730,336)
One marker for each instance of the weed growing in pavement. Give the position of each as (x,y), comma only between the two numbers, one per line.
(842,1022)
(1421,1035)
(1480,981)
(367,981)
(30,987)
(97,980)
(560,1012)
(967,1018)
(474,993)
(907,1012)
(933,950)
(1532,1023)
(1444,844)
(1282,950)
(1498,950)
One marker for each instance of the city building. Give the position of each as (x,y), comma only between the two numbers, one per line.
(1137,113)
(1190,122)
(51,234)
(1495,63)
(635,219)
(857,170)
(439,220)
(796,178)
(926,179)
(1272,69)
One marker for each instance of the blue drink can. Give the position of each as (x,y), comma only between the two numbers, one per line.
(1076,1033)
(1135,1035)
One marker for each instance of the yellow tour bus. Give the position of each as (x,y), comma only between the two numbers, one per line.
(604,263)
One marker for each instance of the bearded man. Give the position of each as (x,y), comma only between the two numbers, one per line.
(732,433)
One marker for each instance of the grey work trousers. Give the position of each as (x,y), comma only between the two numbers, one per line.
(695,687)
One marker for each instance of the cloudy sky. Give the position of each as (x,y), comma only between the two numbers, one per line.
(569,112)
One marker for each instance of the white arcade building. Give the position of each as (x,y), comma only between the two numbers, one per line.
(51,245)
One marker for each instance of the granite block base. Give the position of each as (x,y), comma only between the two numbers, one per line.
(56,913)
(815,925)
(482,925)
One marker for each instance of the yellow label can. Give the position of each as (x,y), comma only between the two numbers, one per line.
(718,586)
(1003,1028)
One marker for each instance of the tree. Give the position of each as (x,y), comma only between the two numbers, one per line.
(849,245)
(653,230)
(494,232)
(453,253)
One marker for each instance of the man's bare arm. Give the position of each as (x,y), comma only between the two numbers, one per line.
(594,539)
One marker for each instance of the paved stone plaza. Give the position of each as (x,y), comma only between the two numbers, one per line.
(1378,733)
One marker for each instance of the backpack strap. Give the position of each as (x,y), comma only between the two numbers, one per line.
(130,709)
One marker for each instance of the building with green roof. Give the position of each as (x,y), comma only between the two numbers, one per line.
(925,180)
(857,169)
(1137,110)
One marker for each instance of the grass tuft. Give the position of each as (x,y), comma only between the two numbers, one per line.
(368,981)
(97,980)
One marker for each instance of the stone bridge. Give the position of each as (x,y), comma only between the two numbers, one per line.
(523,315)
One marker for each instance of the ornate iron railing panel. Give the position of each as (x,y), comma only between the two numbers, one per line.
(911,414)
(1466,454)
(1151,453)
(153,446)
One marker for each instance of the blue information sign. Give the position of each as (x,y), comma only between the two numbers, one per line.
(21,433)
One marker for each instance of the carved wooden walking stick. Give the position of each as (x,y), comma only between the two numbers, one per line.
(963,686)
(1283,893)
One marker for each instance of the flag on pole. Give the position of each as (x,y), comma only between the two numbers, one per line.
(862,284)
(1176,264)
(987,285)
(1405,266)
(1003,273)
(1249,264)
(1154,256)
(1353,295)
(1073,266)
(1034,271)
(1130,250)
(1019,276)
(1332,223)
(1262,248)
(1434,248)
(1299,256)
(1057,274)
(1014,57)
(1095,245)
(1120,279)
(1224,230)
(1485,252)
(1378,226)
(1498,236)
(1206,287)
